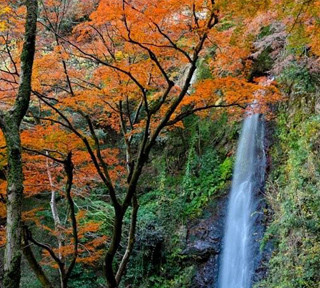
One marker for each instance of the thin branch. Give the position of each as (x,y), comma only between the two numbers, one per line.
(103,164)
(153,57)
(68,166)
(45,247)
(47,155)
(99,61)
(174,45)
(180,117)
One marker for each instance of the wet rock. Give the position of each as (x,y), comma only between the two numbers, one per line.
(204,240)
(201,251)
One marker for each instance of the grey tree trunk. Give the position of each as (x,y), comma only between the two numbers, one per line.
(12,255)
(10,124)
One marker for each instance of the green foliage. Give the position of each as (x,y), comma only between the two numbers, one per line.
(204,177)
(226,25)
(265,31)
(298,40)
(181,280)
(294,194)
(85,278)
(298,79)
(98,211)
(263,63)
(203,70)
(191,171)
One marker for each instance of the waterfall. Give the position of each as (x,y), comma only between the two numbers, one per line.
(238,253)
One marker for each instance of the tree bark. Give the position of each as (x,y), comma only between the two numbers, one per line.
(54,210)
(131,240)
(10,125)
(68,166)
(56,218)
(12,257)
(113,248)
(27,252)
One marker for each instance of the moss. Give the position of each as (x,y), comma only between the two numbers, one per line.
(12,276)
(293,192)
(265,31)
(262,64)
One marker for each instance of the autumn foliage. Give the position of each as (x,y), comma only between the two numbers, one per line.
(124,69)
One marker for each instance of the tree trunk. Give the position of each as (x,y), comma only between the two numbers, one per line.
(12,255)
(131,240)
(113,248)
(37,269)
(10,124)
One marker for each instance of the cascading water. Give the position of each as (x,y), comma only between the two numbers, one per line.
(238,252)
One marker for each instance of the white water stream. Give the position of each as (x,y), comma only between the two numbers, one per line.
(237,259)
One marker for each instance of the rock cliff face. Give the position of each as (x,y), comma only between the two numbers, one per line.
(204,242)
(205,236)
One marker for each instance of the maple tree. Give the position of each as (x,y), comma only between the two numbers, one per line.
(70,168)
(133,54)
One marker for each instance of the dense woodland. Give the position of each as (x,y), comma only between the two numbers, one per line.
(119,124)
